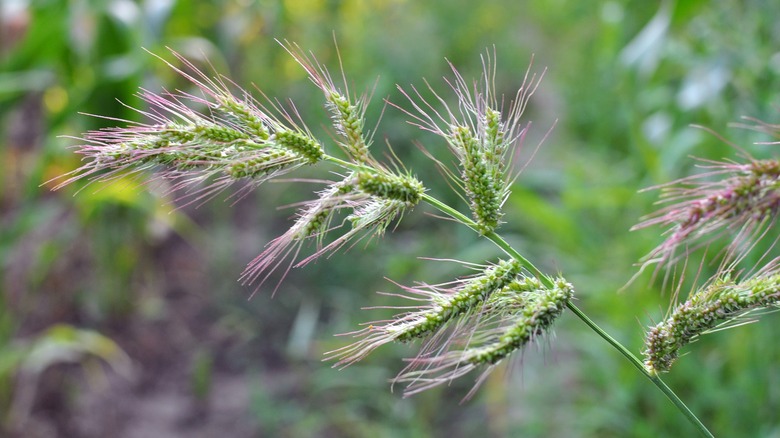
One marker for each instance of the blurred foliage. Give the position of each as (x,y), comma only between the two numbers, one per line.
(625,81)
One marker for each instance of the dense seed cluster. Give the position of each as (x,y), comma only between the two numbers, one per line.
(348,120)
(536,313)
(513,317)
(301,144)
(446,307)
(719,303)
(479,174)
(393,187)
(482,133)
(262,165)
(747,201)
(245,116)
(211,132)
(213,149)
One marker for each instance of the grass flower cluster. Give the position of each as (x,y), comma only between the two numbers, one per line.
(211,141)
(745,202)
(521,312)
(481,134)
(717,305)
(207,142)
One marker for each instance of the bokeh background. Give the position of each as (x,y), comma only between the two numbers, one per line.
(120,314)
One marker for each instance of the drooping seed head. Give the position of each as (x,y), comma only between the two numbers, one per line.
(746,203)
(445,305)
(528,311)
(716,305)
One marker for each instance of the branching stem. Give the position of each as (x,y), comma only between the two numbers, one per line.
(547,281)
(635,361)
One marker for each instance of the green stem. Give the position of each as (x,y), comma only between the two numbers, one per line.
(635,361)
(640,366)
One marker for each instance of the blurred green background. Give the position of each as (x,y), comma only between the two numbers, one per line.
(120,315)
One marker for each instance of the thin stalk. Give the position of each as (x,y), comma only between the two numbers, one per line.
(635,361)
(671,395)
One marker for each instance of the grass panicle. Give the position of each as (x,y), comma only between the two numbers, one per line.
(442,304)
(482,134)
(205,139)
(518,314)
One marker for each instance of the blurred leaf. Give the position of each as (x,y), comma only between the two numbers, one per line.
(67,344)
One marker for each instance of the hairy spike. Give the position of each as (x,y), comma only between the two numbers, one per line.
(444,304)
(746,202)
(532,309)
(723,301)
(481,135)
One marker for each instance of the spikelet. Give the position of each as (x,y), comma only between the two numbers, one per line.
(481,135)
(719,304)
(347,112)
(514,317)
(444,304)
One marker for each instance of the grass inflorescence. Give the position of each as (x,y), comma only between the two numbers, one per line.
(206,142)
(720,304)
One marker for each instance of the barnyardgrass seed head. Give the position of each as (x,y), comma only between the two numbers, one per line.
(724,302)
(516,315)
(347,111)
(482,133)
(442,305)
(203,144)
(742,199)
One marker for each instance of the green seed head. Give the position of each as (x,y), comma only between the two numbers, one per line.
(392,187)
(473,293)
(300,144)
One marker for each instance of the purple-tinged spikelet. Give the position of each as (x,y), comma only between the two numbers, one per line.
(236,138)
(745,202)
(716,305)
(445,303)
(313,222)
(375,199)
(514,317)
(480,135)
(347,112)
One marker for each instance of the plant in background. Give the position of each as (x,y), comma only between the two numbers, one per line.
(205,143)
